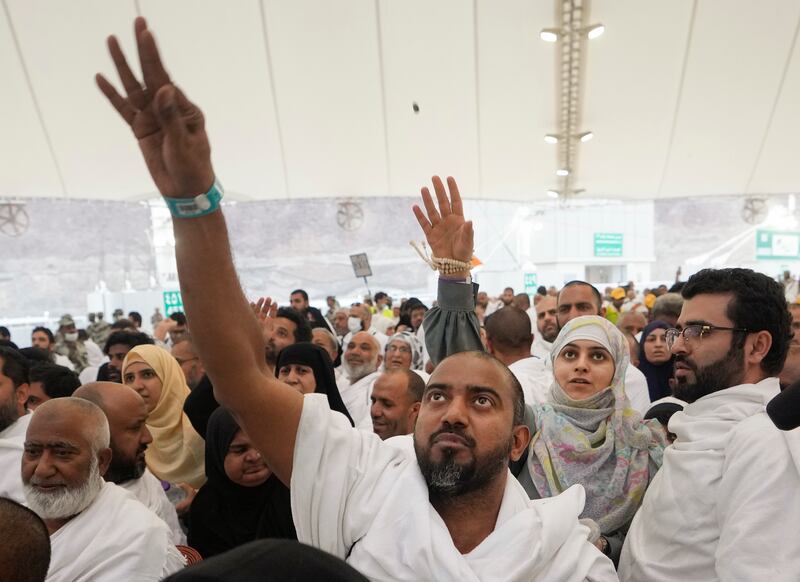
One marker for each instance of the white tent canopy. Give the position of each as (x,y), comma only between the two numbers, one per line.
(310,98)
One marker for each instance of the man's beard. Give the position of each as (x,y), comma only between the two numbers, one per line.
(67,501)
(550,336)
(724,373)
(8,412)
(447,478)
(358,371)
(124,469)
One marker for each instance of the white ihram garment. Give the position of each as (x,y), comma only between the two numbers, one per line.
(356,399)
(725,505)
(366,501)
(149,491)
(12,441)
(535,379)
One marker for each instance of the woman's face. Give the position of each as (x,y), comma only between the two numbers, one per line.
(243,463)
(299,377)
(398,355)
(142,378)
(655,347)
(583,368)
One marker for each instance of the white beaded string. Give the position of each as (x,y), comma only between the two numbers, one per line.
(443,265)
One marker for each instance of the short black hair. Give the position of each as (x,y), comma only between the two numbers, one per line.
(758,304)
(178,316)
(34,355)
(380,295)
(301,292)
(509,328)
(4,332)
(8,344)
(45,331)
(128,338)
(135,317)
(25,551)
(15,366)
(122,323)
(597,297)
(57,381)
(302,331)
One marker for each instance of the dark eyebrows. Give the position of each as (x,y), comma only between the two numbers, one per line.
(471,388)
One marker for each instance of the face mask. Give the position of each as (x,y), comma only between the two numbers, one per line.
(71,337)
(354,324)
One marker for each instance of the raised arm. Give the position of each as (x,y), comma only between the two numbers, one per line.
(171,135)
(452,326)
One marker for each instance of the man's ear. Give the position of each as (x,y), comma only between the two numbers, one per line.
(22,392)
(521,438)
(103,460)
(759,344)
(380,360)
(602,311)
(413,414)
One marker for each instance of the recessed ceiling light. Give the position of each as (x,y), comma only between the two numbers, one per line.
(562,172)
(549,35)
(551,138)
(586,136)
(552,193)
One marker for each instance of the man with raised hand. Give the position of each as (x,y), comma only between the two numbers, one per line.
(451,512)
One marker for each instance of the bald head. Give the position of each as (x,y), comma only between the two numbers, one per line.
(25,551)
(508,334)
(86,419)
(632,322)
(126,412)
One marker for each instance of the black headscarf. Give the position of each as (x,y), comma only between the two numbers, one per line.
(313,356)
(657,375)
(271,561)
(225,515)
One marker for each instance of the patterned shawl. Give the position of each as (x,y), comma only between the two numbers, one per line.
(599,442)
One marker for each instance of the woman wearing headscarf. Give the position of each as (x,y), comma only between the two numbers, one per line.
(307,368)
(242,500)
(176,453)
(404,350)
(656,360)
(589,434)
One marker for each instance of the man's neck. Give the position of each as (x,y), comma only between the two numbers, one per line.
(512,357)
(471,517)
(53,525)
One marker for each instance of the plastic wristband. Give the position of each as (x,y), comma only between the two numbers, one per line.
(200,205)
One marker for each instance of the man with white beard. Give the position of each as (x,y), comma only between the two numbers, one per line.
(126,413)
(98,531)
(362,358)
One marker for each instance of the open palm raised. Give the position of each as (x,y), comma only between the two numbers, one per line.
(448,234)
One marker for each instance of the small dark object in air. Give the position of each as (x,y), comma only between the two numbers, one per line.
(415,107)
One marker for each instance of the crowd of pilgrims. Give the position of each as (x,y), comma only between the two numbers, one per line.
(570,435)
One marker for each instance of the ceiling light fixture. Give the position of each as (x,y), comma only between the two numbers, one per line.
(551,138)
(562,172)
(585,136)
(550,34)
(552,193)
(594,31)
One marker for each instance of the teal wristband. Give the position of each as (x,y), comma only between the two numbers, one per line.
(198,206)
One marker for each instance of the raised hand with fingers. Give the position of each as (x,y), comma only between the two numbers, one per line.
(265,311)
(448,234)
(170,129)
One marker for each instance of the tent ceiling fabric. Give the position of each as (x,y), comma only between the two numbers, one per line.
(310,98)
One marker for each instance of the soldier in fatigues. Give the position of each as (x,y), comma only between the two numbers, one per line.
(98,329)
(68,344)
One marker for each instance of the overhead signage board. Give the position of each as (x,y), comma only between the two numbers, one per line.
(173,302)
(608,244)
(361,265)
(530,283)
(777,245)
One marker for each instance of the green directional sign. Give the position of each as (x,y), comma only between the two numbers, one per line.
(777,245)
(531,283)
(173,302)
(608,244)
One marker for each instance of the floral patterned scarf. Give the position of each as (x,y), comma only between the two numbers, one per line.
(599,442)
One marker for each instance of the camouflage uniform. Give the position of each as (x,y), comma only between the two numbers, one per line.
(75,351)
(99,330)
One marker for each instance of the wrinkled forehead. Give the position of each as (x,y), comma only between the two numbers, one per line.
(706,308)
(68,427)
(464,370)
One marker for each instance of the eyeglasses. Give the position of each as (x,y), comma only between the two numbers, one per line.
(692,333)
(401,349)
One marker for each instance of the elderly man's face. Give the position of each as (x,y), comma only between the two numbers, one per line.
(361,357)
(340,322)
(61,473)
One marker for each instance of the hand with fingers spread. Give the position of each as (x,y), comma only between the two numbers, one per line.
(449,235)
(170,129)
(265,311)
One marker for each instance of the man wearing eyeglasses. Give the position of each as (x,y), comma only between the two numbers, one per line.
(725,504)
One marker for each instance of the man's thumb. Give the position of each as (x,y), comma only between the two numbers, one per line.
(167,111)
